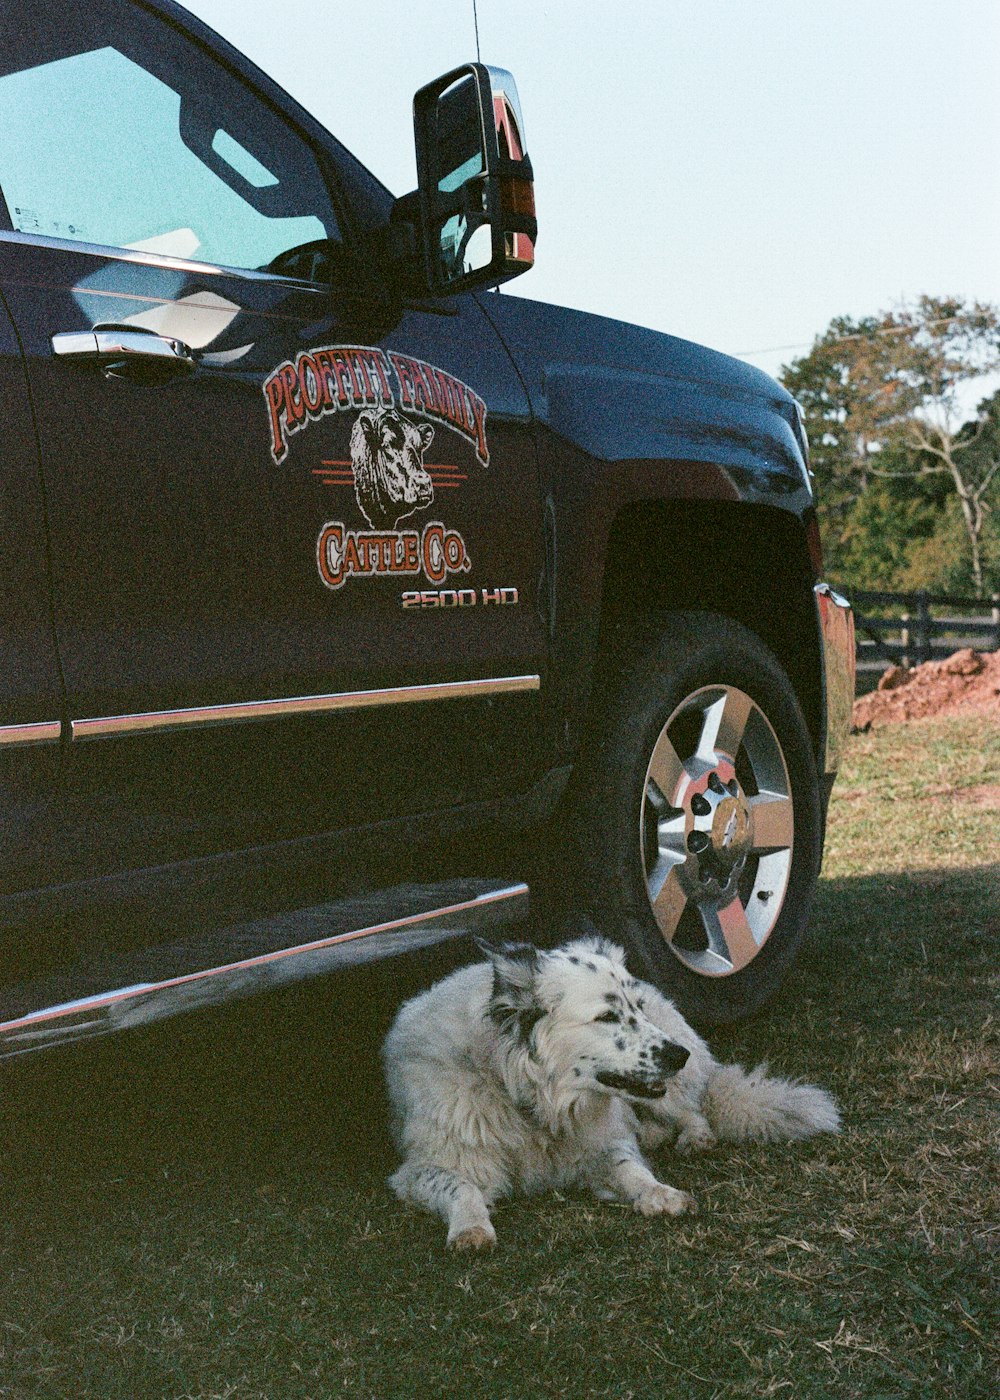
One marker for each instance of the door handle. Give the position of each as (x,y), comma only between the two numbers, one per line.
(128,352)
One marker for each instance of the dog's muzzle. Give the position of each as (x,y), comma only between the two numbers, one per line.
(670,1057)
(653,1085)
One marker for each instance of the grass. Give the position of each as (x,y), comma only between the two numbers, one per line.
(199,1211)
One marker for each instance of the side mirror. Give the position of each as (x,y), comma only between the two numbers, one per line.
(475,194)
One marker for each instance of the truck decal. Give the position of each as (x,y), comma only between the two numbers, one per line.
(397,401)
(435,552)
(338,378)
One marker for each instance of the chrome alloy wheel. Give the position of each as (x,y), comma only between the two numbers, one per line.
(717,829)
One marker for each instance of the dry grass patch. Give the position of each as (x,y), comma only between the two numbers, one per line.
(201,1211)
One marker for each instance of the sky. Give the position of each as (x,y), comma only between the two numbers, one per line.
(736,172)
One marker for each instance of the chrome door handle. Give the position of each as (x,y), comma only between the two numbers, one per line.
(126,352)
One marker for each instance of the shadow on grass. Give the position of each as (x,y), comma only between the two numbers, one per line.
(288,1089)
(885,953)
(275,1088)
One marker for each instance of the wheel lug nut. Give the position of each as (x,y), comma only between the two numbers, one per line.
(714,783)
(733,787)
(697,842)
(700,805)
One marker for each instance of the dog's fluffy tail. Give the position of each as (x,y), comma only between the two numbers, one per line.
(753,1106)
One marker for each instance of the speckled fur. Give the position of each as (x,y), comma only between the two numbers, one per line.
(494,1080)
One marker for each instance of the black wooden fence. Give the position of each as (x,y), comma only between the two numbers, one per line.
(907,629)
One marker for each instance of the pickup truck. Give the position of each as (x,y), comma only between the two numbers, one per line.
(347,600)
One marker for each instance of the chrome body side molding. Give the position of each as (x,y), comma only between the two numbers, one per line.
(269,961)
(204,715)
(15,735)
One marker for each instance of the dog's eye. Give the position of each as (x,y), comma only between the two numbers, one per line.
(611,1017)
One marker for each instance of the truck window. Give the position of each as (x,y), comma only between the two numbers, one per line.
(117,130)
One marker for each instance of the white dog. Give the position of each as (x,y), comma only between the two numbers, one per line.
(540,1070)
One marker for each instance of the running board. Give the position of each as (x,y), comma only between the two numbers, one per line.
(139,988)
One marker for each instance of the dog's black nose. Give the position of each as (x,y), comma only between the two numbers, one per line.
(670,1058)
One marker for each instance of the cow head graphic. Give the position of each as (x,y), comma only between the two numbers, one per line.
(387,456)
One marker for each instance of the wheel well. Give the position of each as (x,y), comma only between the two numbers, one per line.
(749,562)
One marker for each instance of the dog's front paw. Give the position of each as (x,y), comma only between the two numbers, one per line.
(664,1200)
(475,1237)
(652,1134)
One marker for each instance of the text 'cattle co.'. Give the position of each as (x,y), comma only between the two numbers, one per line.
(336,378)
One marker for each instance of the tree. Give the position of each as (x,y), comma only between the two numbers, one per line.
(854,401)
(949,344)
(853,396)
(888,523)
(940,562)
(882,398)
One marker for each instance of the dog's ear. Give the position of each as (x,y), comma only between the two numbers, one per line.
(513,1005)
(610,950)
(514,964)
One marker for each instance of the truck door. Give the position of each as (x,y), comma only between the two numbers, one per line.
(295,530)
(30,699)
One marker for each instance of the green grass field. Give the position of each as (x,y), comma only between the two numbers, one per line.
(200,1210)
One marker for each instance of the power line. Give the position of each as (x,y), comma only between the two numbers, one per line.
(836,339)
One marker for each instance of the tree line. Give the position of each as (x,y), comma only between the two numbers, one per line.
(907,466)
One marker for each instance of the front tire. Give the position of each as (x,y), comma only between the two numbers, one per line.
(701,821)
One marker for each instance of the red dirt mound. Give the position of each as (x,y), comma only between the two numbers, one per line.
(966,683)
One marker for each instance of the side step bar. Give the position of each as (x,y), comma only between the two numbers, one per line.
(139,988)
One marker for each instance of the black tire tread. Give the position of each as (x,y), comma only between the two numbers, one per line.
(650,667)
